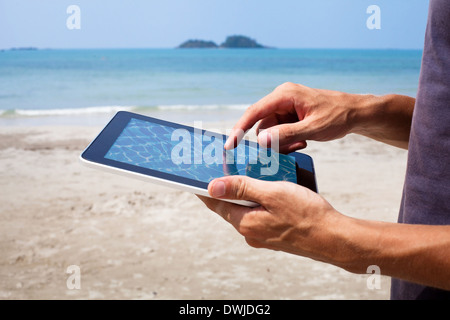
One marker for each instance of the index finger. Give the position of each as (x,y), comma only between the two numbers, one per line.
(263,108)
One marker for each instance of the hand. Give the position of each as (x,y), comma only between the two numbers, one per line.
(296,220)
(298,113)
(293,113)
(290,218)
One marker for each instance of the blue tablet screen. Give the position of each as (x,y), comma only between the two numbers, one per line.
(196,155)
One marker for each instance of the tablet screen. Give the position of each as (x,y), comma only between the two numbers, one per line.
(197,155)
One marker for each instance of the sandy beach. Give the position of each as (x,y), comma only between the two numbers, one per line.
(136,240)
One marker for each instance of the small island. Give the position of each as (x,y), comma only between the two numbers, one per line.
(240,42)
(197,44)
(236,41)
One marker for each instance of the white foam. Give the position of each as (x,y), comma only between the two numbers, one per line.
(203,107)
(114,109)
(71,111)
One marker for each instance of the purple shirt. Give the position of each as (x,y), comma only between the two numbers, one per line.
(426,193)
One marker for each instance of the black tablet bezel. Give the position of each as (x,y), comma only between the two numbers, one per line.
(97,150)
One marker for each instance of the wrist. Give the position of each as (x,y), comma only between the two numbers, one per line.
(368,113)
(354,243)
(384,118)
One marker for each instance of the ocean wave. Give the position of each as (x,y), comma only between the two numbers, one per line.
(203,107)
(114,109)
(72,111)
(64,112)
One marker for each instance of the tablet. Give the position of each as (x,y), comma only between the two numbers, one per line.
(188,158)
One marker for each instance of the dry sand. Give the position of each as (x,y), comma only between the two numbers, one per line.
(136,240)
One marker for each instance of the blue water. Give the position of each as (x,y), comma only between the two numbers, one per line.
(203,83)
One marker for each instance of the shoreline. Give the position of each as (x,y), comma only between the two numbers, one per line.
(99,116)
(136,240)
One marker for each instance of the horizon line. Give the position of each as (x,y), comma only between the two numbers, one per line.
(31,48)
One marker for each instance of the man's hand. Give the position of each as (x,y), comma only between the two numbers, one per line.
(290,218)
(295,113)
(294,219)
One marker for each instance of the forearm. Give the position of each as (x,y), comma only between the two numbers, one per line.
(384,118)
(416,253)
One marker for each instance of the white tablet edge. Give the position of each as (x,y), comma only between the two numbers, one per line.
(163,182)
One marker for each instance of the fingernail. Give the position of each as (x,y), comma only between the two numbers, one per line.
(227,144)
(264,138)
(218,189)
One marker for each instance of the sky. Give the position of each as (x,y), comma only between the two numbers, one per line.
(167,23)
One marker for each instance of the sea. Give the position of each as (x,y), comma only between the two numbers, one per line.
(88,86)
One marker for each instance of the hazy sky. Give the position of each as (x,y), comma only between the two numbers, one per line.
(167,23)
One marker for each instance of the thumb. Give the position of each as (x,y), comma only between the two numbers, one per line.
(284,134)
(238,188)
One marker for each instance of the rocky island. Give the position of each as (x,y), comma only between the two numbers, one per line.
(240,42)
(197,44)
(231,42)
